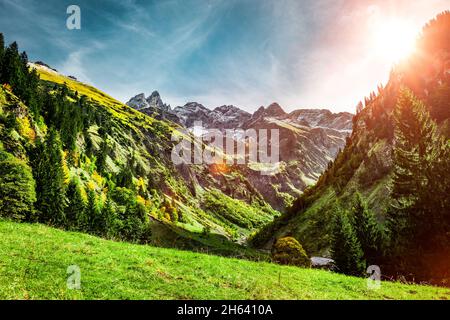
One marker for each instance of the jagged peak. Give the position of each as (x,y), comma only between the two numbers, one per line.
(155,94)
(139,96)
(275,109)
(228,109)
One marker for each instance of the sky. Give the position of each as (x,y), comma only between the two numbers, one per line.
(248,53)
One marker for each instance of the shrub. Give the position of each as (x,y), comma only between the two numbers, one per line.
(289,251)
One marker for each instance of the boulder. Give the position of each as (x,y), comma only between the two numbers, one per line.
(322,263)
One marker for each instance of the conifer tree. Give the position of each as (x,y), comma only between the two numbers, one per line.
(367,229)
(11,65)
(109,214)
(17,188)
(93,213)
(76,205)
(346,249)
(2,44)
(419,185)
(49,175)
(414,138)
(101,159)
(2,50)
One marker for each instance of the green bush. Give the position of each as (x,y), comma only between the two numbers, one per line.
(17,188)
(289,251)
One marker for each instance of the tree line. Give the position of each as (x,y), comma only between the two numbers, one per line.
(414,240)
(36,183)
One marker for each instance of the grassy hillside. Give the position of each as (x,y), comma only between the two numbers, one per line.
(34,260)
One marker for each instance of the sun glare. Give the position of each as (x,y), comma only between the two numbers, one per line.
(395,39)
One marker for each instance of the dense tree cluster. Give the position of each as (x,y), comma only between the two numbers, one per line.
(44,190)
(17,188)
(419,219)
(357,239)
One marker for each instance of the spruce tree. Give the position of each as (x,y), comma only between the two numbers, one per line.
(345,249)
(76,204)
(93,214)
(415,135)
(2,50)
(17,188)
(11,66)
(367,229)
(414,156)
(418,218)
(2,44)
(109,214)
(49,175)
(101,158)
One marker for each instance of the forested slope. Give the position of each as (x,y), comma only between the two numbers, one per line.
(384,200)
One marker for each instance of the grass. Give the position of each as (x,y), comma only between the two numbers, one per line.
(34,261)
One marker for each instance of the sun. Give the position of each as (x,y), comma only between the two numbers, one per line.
(394,39)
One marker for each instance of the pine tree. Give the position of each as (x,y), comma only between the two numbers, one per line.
(101,159)
(2,50)
(17,188)
(414,139)
(417,220)
(367,229)
(76,204)
(11,65)
(49,175)
(436,202)
(109,214)
(93,214)
(345,249)
(2,44)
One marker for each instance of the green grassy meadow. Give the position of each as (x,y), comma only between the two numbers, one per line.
(34,259)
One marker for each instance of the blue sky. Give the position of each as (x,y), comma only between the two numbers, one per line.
(302,54)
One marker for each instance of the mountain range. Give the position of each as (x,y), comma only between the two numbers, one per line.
(309,139)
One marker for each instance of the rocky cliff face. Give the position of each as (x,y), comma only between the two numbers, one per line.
(223,117)
(308,140)
(153,106)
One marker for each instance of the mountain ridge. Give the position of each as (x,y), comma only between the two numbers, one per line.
(309,139)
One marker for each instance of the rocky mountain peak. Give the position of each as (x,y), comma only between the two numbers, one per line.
(322,118)
(155,101)
(229,110)
(274,110)
(153,106)
(138,102)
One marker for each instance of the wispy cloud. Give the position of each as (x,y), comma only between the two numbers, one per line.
(248,53)
(75,63)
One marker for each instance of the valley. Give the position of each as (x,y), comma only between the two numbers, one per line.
(89,182)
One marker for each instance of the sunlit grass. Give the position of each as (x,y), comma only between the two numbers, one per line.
(34,260)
